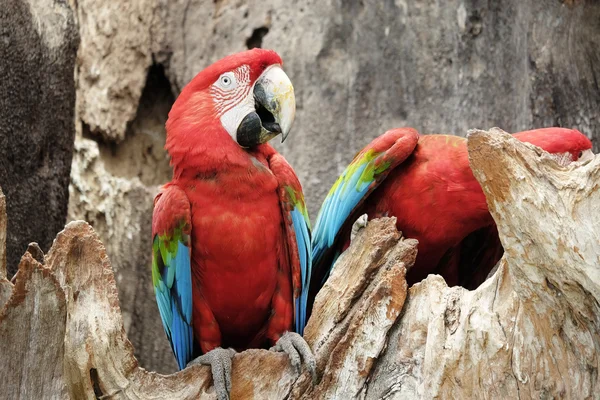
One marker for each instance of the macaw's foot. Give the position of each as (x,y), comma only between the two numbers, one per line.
(297,350)
(360,223)
(220,365)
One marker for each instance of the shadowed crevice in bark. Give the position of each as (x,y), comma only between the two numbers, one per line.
(141,154)
(255,40)
(94,378)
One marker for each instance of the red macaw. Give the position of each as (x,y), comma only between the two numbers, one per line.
(427,184)
(231,235)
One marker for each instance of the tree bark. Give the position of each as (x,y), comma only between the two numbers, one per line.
(38,46)
(532,330)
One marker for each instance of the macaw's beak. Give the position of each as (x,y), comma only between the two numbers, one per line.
(586,155)
(275,109)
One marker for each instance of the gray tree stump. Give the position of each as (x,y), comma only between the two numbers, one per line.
(530,331)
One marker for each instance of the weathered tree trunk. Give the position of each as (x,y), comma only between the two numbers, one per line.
(530,331)
(38,45)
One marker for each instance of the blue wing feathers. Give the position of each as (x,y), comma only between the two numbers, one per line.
(170,271)
(176,333)
(184,281)
(164,305)
(338,206)
(337,209)
(174,298)
(304,252)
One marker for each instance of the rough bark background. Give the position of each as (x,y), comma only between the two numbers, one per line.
(530,331)
(38,45)
(359,68)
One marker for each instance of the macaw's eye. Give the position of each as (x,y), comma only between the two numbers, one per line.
(226,81)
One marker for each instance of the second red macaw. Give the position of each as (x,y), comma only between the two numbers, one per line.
(427,184)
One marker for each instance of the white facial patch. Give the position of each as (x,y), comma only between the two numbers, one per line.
(586,155)
(562,159)
(232,94)
(232,118)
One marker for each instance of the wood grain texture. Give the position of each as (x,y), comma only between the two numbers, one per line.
(5,285)
(532,330)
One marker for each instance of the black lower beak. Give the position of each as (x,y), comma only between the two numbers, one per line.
(258,126)
(266,117)
(250,131)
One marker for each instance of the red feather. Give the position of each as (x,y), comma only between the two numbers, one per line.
(437,200)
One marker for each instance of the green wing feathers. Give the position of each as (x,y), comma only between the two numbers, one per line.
(367,170)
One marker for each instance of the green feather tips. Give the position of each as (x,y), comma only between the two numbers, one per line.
(298,200)
(165,246)
(374,167)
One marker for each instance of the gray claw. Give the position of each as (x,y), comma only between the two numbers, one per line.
(297,350)
(220,365)
(360,223)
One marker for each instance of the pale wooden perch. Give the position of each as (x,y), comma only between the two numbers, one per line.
(530,331)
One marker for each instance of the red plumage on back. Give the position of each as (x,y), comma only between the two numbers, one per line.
(434,197)
(557,140)
(438,201)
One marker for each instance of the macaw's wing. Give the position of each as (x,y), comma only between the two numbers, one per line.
(171,269)
(369,168)
(297,228)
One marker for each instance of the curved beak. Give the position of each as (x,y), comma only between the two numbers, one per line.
(586,155)
(275,109)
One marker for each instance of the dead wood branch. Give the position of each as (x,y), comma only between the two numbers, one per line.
(532,330)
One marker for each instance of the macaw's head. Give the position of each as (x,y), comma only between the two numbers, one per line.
(244,98)
(569,143)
